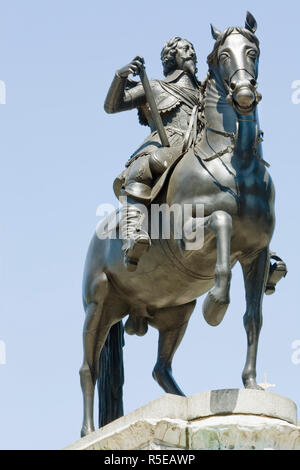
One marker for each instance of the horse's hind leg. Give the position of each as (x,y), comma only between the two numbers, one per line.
(88,369)
(169,340)
(255,277)
(96,327)
(217,300)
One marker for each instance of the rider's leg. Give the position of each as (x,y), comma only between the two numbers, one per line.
(136,196)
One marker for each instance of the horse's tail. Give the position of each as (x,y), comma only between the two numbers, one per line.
(111,376)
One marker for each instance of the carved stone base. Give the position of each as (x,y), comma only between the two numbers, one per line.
(222,419)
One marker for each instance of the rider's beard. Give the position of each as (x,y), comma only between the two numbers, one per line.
(189,66)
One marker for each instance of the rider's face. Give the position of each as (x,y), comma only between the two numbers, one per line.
(186,57)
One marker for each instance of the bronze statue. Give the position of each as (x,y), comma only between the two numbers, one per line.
(217,163)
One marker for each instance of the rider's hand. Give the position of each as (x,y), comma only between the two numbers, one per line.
(134,67)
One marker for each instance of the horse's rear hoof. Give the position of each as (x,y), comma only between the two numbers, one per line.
(251,384)
(163,376)
(214,309)
(85,430)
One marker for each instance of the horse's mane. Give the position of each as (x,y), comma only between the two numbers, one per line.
(213,56)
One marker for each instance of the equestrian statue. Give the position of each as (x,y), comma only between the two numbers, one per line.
(204,150)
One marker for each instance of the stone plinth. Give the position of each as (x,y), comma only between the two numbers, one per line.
(221,419)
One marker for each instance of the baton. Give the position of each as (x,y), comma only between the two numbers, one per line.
(153,108)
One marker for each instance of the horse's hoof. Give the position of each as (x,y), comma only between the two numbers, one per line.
(85,430)
(163,376)
(277,271)
(214,307)
(251,384)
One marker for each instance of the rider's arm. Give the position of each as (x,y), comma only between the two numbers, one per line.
(121,99)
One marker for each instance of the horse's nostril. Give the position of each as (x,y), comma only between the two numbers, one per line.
(232,85)
(253,82)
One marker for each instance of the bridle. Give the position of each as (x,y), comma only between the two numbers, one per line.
(253,87)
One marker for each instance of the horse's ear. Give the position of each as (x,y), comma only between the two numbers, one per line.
(214,32)
(250,24)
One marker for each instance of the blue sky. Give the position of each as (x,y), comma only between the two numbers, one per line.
(60,153)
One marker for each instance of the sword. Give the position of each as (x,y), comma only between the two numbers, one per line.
(153,108)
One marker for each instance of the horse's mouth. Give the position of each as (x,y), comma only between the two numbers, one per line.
(245,100)
(244,109)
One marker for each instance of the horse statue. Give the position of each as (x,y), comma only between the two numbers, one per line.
(225,173)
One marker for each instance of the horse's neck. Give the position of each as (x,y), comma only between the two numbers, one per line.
(221,116)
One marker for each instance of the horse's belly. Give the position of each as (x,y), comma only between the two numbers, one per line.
(161,281)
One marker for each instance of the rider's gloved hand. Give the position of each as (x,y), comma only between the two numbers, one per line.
(134,67)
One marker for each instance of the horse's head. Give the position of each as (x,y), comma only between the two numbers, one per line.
(235,56)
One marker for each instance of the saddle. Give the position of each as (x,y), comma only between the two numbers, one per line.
(170,156)
(166,157)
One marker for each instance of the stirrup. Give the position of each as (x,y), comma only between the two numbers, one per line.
(278,270)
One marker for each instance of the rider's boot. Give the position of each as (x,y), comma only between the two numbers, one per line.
(136,241)
(277,271)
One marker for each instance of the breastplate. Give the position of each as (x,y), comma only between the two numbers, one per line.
(178,118)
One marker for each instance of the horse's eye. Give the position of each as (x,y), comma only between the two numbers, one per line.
(252,53)
(223,56)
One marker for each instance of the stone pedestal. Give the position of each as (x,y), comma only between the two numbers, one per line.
(220,419)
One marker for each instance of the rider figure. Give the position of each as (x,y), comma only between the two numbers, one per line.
(178,99)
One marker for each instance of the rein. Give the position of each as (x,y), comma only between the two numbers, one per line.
(230,148)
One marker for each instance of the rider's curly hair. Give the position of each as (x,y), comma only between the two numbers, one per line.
(168,54)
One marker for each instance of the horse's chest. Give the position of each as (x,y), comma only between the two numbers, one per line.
(255,193)
(222,187)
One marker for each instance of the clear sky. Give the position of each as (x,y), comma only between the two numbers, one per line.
(60,153)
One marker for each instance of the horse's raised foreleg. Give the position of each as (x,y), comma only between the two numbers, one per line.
(255,277)
(169,340)
(217,299)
